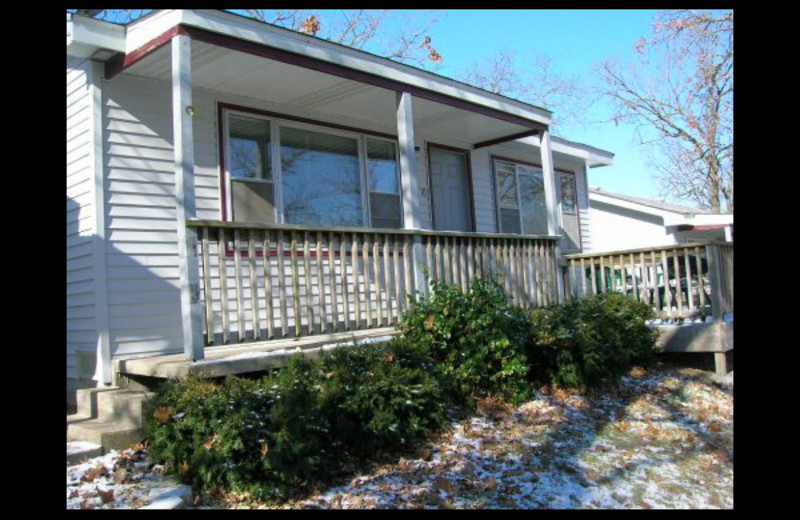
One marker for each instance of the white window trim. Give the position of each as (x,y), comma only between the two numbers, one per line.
(277,174)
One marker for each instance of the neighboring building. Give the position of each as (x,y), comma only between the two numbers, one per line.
(625,222)
(275,128)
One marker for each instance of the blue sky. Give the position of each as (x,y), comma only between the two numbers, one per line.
(576,40)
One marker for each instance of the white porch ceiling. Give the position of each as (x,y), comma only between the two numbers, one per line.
(333,98)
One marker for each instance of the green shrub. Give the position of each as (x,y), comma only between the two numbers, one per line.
(207,432)
(277,435)
(476,340)
(591,341)
(379,397)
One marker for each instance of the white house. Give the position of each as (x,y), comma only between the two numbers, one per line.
(226,176)
(624,222)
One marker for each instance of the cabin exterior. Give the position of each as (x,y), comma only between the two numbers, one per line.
(622,221)
(229,181)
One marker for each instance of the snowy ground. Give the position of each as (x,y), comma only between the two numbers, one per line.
(661,439)
(117,480)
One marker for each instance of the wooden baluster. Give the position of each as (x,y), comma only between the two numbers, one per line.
(298,325)
(537,273)
(701,286)
(512,260)
(282,285)
(656,292)
(208,296)
(397,289)
(602,276)
(307,278)
(356,282)
(447,265)
(376,253)
(678,289)
(429,259)
(524,268)
(332,281)
(322,311)
(646,296)
(548,274)
(584,290)
(345,290)
(407,281)
(237,262)
(268,284)
(667,291)
(613,264)
(387,273)
(470,262)
(689,295)
(251,260)
(456,262)
(222,252)
(367,283)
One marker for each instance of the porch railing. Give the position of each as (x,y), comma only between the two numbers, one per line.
(678,282)
(260,282)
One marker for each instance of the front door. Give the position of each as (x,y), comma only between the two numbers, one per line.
(568,203)
(452,209)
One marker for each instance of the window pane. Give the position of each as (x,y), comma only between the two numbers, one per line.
(567,188)
(506,184)
(532,206)
(248,148)
(253,201)
(385,210)
(509,220)
(382,166)
(320,178)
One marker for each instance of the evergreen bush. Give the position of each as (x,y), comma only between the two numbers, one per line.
(591,341)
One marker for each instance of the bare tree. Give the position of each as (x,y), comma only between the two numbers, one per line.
(369,29)
(679,94)
(534,81)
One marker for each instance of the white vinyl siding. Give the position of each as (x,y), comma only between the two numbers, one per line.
(81,327)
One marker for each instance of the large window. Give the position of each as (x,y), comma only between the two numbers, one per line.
(303,174)
(321,179)
(384,184)
(250,169)
(521,202)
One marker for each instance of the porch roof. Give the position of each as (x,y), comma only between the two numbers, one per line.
(238,56)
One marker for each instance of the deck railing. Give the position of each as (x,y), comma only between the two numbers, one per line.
(259,282)
(679,282)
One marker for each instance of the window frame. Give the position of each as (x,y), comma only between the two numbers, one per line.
(276,121)
(498,219)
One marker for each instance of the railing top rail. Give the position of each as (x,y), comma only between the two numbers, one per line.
(690,245)
(197,223)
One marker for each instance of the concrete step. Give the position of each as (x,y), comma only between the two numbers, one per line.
(86,399)
(123,406)
(111,435)
(111,417)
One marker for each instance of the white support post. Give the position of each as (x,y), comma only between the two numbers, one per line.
(551,201)
(183,135)
(410,184)
(728,233)
(103,370)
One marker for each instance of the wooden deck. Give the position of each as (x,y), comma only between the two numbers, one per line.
(240,359)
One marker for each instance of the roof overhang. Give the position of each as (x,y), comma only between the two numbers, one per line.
(143,38)
(593,157)
(671,218)
(89,38)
